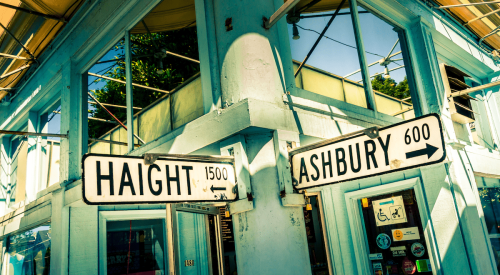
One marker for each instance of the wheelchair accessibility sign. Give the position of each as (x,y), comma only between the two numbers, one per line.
(389,211)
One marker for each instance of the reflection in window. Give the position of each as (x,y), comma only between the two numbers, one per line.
(333,67)
(166,82)
(51,148)
(315,240)
(136,247)
(490,200)
(16,191)
(386,64)
(28,253)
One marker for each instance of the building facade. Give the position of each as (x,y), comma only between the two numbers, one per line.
(254,101)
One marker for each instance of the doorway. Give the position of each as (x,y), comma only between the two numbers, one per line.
(317,246)
(197,248)
(390,229)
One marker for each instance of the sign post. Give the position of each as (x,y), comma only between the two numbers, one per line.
(405,145)
(109,179)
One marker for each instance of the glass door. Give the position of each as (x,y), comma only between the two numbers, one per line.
(390,229)
(197,243)
(395,234)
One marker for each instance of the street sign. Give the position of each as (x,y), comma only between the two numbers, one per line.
(401,146)
(109,179)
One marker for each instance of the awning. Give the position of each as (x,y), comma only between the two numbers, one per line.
(34,31)
(481,27)
(321,6)
(169,15)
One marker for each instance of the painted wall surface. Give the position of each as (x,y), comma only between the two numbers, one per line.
(255,72)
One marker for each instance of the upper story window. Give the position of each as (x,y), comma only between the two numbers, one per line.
(334,68)
(482,129)
(166,83)
(30,163)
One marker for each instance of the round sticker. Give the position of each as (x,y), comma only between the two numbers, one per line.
(409,267)
(383,241)
(398,235)
(417,249)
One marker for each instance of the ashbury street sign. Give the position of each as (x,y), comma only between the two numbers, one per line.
(109,179)
(405,145)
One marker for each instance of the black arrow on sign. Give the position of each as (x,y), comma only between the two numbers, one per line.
(429,151)
(217,188)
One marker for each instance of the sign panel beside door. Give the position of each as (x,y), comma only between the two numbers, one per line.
(109,179)
(405,145)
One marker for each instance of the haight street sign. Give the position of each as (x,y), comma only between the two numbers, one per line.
(405,145)
(109,179)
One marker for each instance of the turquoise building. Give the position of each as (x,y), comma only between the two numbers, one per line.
(252,81)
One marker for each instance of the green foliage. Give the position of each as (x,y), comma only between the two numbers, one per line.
(389,87)
(144,46)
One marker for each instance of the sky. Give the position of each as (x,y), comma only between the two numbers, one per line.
(342,59)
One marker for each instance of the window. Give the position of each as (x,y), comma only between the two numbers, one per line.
(482,129)
(386,225)
(50,151)
(28,252)
(316,244)
(333,69)
(134,242)
(394,233)
(16,191)
(166,82)
(135,247)
(490,200)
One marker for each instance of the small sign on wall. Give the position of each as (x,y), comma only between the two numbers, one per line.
(389,211)
(398,251)
(405,234)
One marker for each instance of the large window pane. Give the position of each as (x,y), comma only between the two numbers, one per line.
(387,68)
(334,65)
(333,68)
(495,244)
(28,253)
(490,200)
(136,247)
(166,81)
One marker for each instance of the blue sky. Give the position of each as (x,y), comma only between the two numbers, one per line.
(378,38)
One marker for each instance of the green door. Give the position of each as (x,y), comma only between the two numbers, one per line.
(192,246)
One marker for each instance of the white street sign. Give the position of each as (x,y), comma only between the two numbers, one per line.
(109,179)
(401,146)
(389,211)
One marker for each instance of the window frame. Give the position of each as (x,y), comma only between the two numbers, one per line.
(483,222)
(209,75)
(357,227)
(403,20)
(126,215)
